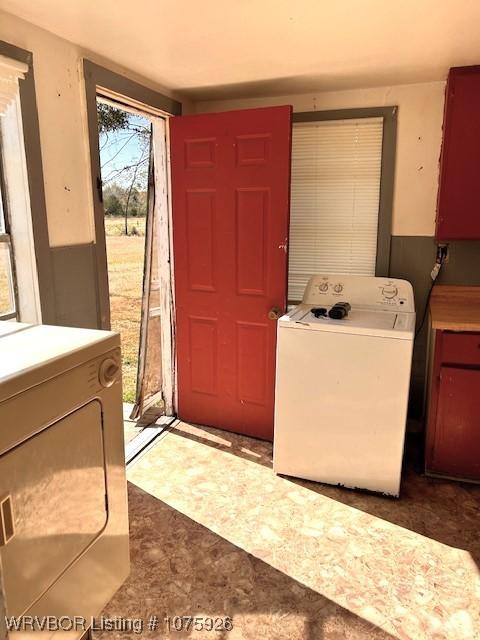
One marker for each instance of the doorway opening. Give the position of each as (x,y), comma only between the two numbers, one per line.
(136,223)
(134,287)
(125,142)
(128,193)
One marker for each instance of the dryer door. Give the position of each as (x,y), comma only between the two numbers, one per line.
(53,503)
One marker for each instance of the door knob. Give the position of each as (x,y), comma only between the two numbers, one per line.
(274,313)
(107,373)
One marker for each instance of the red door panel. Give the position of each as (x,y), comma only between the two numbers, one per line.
(230,189)
(456,448)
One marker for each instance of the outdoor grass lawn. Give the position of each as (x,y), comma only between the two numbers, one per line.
(125,275)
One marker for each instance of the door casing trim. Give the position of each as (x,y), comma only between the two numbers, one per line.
(104,82)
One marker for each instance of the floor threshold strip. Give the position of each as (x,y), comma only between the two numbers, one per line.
(146,437)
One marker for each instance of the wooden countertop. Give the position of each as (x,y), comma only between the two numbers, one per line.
(455,308)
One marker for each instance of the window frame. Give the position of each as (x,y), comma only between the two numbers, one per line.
(6,238)
(37,210)
(387,173)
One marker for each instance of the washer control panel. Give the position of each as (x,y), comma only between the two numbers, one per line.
(365,291)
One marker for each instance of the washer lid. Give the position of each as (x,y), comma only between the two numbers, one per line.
(359,321)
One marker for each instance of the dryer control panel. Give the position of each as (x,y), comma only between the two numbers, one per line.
(360,291)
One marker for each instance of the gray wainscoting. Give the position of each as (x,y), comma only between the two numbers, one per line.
(412,258)
(75,282)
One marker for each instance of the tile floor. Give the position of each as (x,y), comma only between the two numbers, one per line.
(215,533)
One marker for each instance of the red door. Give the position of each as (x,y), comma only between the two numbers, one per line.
(230,189)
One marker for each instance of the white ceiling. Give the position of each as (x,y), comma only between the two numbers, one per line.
(218,48)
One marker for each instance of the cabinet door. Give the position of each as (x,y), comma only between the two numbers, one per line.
(456,449)
(458,216)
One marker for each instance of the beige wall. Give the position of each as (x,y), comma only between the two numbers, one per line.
(63,128)
(420,115)
(60,98)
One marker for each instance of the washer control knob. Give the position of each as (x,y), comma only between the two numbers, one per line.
(390,291)
(323,287)
(107,373)
(338,288)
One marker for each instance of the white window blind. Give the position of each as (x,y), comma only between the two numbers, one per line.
(11,71)
(335,192)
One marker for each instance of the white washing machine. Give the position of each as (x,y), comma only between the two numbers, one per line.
(342,384)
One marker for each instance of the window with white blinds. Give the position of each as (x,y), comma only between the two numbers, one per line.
(335,193)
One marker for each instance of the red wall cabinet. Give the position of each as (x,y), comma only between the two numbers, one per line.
(458,210)
(453,428)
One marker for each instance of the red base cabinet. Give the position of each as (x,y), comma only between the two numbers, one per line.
(458,212)
(453,427)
